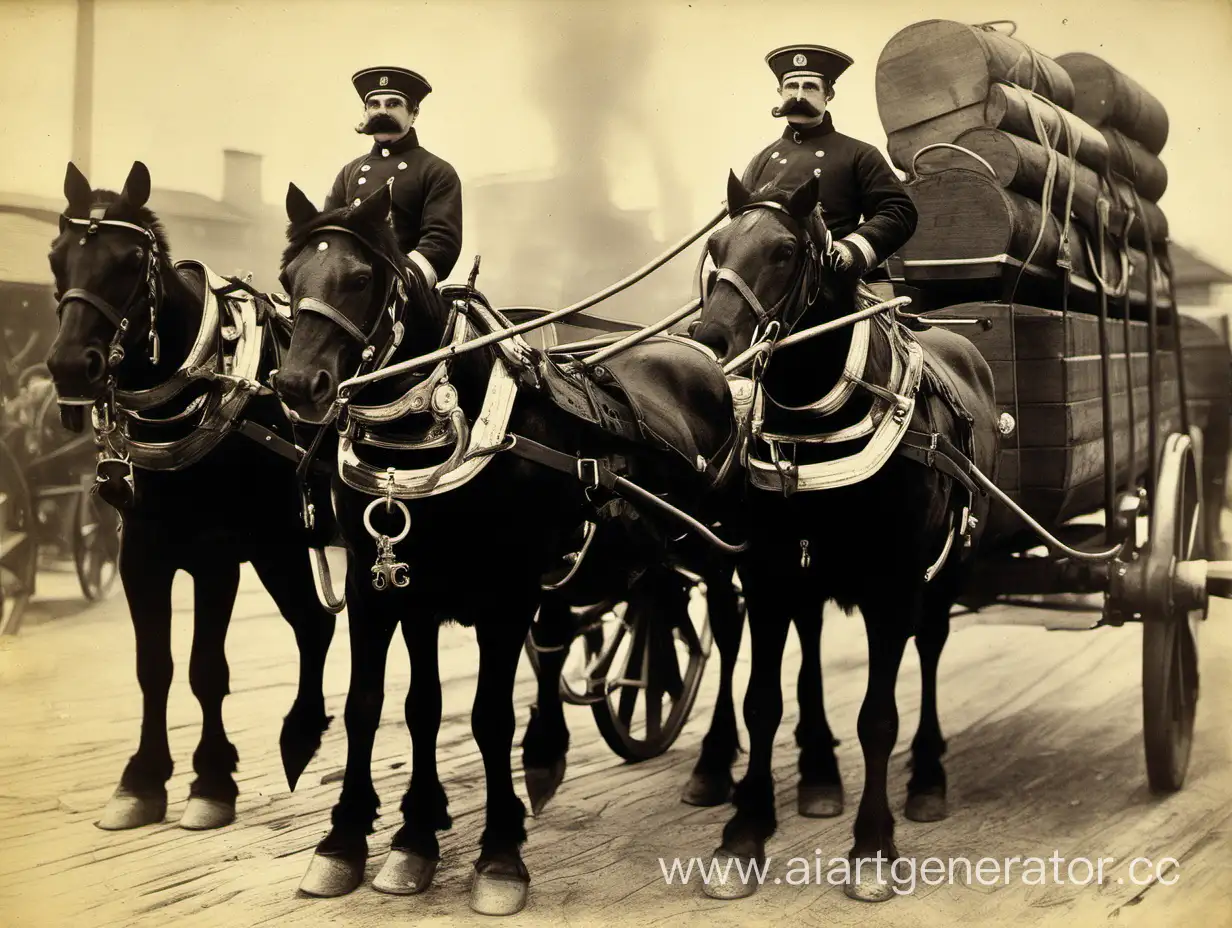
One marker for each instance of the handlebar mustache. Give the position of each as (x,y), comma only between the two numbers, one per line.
(794,106)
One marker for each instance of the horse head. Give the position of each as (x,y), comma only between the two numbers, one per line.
(772,256)
(107,261)
(353,296)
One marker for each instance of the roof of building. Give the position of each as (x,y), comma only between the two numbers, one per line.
(1189,269)
(23,259)
(169,204)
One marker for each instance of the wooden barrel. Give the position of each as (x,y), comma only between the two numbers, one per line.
(1137,165)
(1155,218)
(973,235)
(937,66)
(1108,98)
(1022,166)
(1009,108)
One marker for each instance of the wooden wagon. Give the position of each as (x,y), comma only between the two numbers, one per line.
(46,503)
(1039,234)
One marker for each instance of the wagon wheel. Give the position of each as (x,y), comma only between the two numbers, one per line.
(659,648)
(96,544)
(18,544)
(581,676)
(1169,641)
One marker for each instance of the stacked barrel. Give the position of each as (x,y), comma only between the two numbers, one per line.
(1010,154)
(993,135)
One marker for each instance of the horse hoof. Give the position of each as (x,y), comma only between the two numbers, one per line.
(126,810)
(732,875)
(819,801)
(704,790)
(299,742)
(867,883)
(542,783)
(405,873)
(926,807)
(331,876)
(201,814)
(499,893)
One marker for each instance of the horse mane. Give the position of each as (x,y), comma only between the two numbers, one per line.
(119,208)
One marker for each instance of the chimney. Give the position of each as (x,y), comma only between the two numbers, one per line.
(241,180)
(83,86)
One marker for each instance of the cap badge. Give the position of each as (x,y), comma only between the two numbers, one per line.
(799,61)
(385,77)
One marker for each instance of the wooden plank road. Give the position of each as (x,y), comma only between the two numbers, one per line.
(1045,757)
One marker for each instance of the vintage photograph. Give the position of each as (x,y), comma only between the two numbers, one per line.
(583,463)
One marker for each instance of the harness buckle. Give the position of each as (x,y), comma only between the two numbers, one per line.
(588,472)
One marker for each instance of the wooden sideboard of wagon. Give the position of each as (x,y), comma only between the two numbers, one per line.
(1040,236)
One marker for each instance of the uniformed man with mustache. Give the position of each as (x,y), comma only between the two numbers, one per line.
(865,206)
(427,194)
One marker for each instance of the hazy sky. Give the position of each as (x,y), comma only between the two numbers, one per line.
(682,87)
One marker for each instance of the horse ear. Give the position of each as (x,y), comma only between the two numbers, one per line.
(77,190)
(379,206)
(737,196)
(137,187)
(804,200)
(299,207)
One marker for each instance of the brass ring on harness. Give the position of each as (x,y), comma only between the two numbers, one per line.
(401,507)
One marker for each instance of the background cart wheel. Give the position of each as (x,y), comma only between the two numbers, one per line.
(96,544)
(18,544)
(660,653)
(1169,640)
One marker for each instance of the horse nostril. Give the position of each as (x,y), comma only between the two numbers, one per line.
(322,386)
(95,365)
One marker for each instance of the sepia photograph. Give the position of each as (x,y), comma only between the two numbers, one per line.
(586,464)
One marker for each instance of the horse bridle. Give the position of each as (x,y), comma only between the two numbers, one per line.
(146,288)
(393,305)
(799,292)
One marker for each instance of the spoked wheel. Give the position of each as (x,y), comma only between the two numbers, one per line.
(658,643)
(1170,633)
(96,544)
(18,544)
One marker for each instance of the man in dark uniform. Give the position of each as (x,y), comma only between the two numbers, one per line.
(865,206)
(427,193)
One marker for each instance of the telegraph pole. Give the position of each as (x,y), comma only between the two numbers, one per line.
(83,87)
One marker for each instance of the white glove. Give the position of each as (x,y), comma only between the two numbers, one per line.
(843,256)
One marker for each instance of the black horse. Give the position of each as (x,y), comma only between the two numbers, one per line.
(890,527)
(480,526)
(144,341)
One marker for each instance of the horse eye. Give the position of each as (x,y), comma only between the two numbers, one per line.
(784,252)
(361,281)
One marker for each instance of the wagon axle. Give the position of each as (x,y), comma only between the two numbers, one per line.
(1180,586)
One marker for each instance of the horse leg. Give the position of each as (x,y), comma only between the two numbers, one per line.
(887,628)
(211,797)
(147,575)
(414,851)
(711,781)
(501,883)
(745,835)
(286,574)
(927,787)
(546,742)
(820,792)
(337,867)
